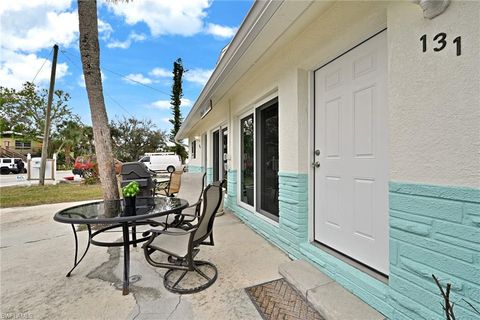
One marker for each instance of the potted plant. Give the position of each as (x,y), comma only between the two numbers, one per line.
(130,192)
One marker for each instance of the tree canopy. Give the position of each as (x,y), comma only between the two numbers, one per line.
(132,138)
(24,110)
(176,101)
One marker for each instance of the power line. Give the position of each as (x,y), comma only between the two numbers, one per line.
(116,102)
(44,61)
(124,109)
(123,76)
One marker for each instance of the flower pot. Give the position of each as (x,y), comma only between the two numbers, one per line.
(130,209)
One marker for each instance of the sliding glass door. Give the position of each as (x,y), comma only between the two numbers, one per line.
(247,160)
(267,159)
(259,159)
(224,154)
(216,154)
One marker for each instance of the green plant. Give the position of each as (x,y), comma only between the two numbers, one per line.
(131,189)
(90,179)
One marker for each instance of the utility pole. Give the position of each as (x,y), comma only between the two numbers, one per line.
(46,134)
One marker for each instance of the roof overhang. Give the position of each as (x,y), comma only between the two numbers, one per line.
(264,24)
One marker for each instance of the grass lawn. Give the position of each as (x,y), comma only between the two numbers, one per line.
(29,196)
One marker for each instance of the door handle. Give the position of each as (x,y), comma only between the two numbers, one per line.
(316,164)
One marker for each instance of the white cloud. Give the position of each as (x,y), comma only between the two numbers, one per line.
(137,78)
(199,76)
(175,17)
(105,29)
(27,27)
(220,31)
(132,37)
(34,25)
(160,104)
(165,104)
(186,102)
(166,120)
(16,68)
(161,73)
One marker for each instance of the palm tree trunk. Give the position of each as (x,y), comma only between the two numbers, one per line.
(90,52)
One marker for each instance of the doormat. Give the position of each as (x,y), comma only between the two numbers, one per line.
(278,300)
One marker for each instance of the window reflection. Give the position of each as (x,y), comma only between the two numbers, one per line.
(267,161)
(248,171)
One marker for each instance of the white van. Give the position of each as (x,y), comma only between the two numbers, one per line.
(162,161)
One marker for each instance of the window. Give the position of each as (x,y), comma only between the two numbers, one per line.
(246,162)
(23,144)
(145,159)
(259,159)
(216,155)
(224,152)
(194,149)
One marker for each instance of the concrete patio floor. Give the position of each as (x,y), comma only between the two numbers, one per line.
(36,253)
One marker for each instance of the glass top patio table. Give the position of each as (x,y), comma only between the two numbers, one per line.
(112,215)
(112,211)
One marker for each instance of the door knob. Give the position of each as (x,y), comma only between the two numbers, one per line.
(316,164)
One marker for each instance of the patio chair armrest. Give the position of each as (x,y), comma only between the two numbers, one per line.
(171,233)
(189,215)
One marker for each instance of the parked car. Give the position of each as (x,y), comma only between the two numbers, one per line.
(20,166)
(162,161)
(84,164)
(87,166)
(13,165)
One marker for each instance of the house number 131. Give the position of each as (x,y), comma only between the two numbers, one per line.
(440,40)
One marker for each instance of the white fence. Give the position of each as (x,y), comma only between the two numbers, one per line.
(33,168)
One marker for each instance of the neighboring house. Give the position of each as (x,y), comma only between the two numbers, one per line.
(16,142)
(349,136)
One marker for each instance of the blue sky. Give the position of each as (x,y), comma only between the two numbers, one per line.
(139,39)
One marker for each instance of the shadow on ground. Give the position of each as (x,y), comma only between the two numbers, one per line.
(36,253)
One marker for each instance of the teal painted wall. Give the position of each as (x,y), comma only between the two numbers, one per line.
(433,230)
(209,175)
(195,169)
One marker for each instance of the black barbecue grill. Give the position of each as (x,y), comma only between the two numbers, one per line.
(138,171)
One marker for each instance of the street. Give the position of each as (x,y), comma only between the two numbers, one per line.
(21,179)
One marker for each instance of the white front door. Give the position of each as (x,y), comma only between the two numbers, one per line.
(351,183)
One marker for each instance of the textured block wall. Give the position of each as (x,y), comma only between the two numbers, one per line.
(195,169)
(291,230)
(433,229)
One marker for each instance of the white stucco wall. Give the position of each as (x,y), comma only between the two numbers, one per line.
(434,116)
(434,97)
(198,159)
(216,117)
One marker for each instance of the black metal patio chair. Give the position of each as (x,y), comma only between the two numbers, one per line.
(191,191)
(180,246)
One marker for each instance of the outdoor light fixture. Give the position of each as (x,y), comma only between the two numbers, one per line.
(432,8)
(206,109)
